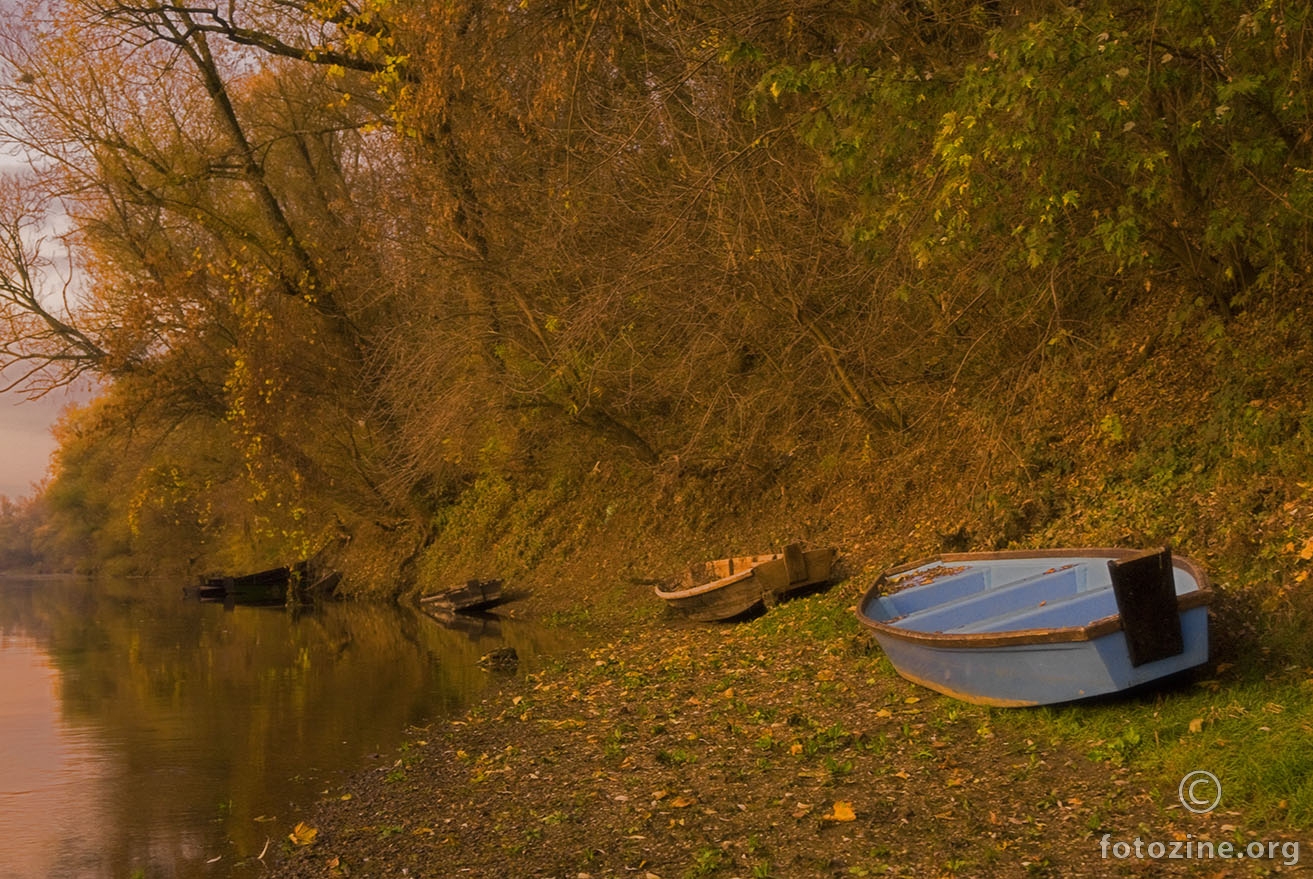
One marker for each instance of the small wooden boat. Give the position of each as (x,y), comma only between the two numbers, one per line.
(729,588)
(1040,627)
(470,595)
(262,587)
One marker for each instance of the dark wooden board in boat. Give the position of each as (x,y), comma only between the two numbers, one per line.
(1146,600)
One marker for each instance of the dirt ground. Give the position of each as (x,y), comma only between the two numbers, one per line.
(780,747)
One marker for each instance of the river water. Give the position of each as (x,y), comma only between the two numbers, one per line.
(142,735)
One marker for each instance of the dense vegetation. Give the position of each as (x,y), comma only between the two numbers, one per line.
(393,275)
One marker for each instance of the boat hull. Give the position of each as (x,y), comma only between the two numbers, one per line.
(472,595)
(739,586)
(1044,630)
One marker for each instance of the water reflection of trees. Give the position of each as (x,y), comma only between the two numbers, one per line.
(215,720)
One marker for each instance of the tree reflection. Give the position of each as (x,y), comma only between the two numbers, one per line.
(215,730)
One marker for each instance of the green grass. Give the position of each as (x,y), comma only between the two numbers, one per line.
(1253,731)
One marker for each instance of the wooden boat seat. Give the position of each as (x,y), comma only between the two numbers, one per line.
(912,599)
(996,602)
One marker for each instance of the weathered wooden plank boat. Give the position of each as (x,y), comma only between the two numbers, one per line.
(260,587)
(470,595)
(728,588)
(1041,627)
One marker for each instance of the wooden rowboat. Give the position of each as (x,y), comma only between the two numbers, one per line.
(470,595)
(262,587)
(1040,627)
(732,587)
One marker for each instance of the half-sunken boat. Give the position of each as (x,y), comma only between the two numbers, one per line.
(729,588)
(472,595)
(262,587)
(1041,627)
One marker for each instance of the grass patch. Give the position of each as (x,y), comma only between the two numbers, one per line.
(1253,731)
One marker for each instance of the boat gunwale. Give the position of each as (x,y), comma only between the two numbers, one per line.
(703,589)
(1200,596)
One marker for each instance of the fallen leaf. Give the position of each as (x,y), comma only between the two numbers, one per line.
(801,810)
(303,834)
(825,674)
(683,802)
(1197,725)
(842,811)
(911,700)
(1307,552)
(795,749)
(884,712)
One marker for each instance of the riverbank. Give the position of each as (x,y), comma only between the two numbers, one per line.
(786,746)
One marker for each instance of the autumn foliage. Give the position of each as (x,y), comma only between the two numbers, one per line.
(342,263)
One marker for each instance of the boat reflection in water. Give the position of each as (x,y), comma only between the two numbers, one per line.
(144,734)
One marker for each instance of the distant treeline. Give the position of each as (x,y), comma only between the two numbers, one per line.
(336,260)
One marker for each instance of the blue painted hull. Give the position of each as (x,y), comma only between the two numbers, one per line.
(1014,629)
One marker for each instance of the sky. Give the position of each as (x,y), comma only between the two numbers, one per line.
(25,439)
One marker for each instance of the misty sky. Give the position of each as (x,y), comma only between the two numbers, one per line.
(25,441)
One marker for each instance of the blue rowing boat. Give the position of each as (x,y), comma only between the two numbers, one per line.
(1040,627)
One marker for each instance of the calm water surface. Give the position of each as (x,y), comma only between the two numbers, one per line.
(144,735)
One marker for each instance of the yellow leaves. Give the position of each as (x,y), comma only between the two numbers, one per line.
(303,834)
(842,810)
(1197,725)
(682,802)
(1307,552)
(570,723)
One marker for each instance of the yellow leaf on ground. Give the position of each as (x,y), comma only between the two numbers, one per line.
(1197,725)
(683,802)
(303,834)
(843,811)
(1307,552)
